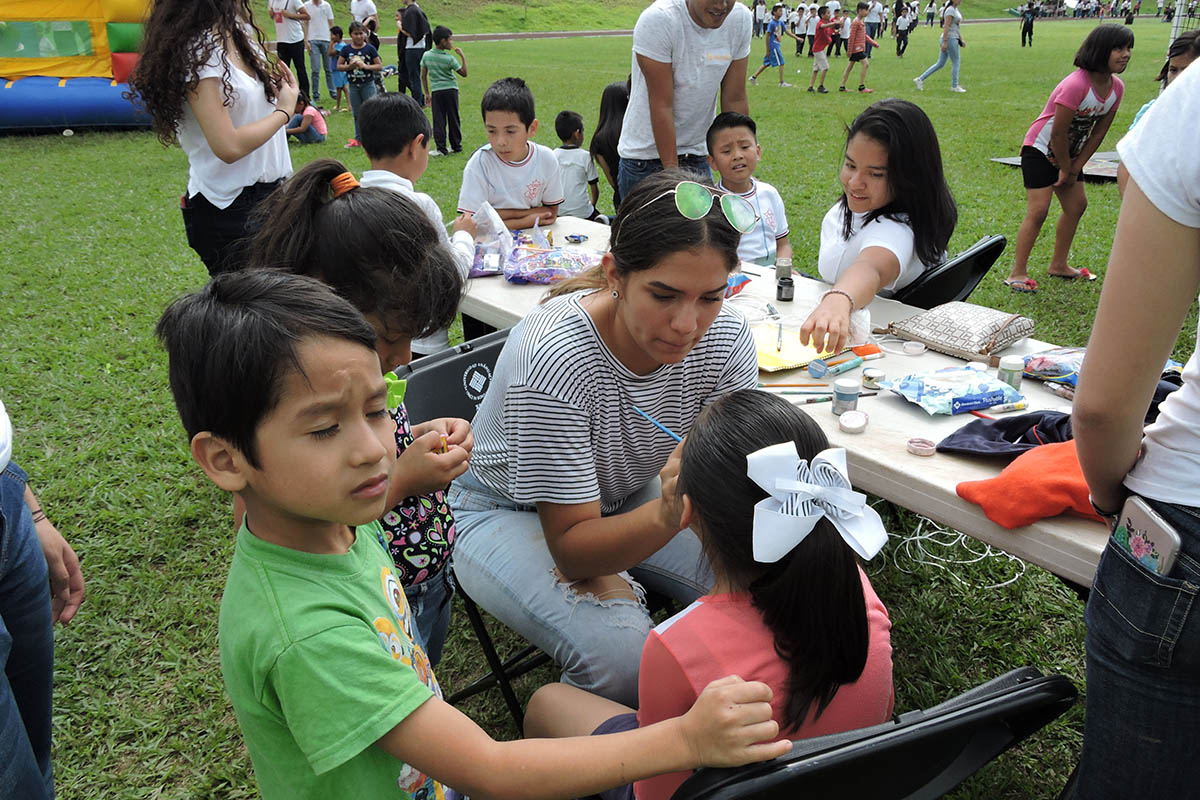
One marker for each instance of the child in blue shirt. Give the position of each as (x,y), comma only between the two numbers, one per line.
(336,46)
(277,383)
(776,28)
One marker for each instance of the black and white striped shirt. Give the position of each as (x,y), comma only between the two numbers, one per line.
(558,423)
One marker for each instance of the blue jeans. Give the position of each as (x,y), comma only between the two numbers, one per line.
(310,136)
(26,649)
(318,58)
(412,63)
(359,94)
(872,31)
(429,602)
(632,170)
(1143,672)
(950,53)
(502,562)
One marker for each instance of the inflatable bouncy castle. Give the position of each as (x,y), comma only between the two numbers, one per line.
(66,63)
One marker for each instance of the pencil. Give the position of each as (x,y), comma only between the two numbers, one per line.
(791,385)
(826,399)
(779,340)
(659,425)
(806,391)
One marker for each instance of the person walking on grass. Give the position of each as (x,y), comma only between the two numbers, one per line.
(951,42)
(825,33)
(857,48)
(776,28)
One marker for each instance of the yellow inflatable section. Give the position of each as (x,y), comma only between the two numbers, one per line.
(69,38)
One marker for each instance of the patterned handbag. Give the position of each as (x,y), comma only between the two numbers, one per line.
(964,330)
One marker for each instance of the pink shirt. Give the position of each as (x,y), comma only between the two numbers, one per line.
(724,634)
(1076,93)
(318,121)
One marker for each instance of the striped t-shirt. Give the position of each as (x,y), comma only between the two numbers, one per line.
(558,423)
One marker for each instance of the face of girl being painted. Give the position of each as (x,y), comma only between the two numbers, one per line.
(865,175)
(1177,65)
(1118,59)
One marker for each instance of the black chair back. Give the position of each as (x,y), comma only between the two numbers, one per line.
(452,383)
(922,754)
(955,279)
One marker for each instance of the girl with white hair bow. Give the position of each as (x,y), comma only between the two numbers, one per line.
(783,529)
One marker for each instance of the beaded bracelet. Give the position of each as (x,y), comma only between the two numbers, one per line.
(843,294)
(38,515)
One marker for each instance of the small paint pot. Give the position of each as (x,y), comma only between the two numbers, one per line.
(872,376)
(921,447)
(845,395)
(853,421)
(1010,371)
(785,290)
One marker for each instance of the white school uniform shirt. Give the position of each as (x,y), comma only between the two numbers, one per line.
(360,10)
(811,28)
(288,31)
(847,21)
(837,254)
(534,181)
(461,245)
(221,183)
(578,170)
(758,246)
(873,12)
(1160,155)
(833,5)
(320,17)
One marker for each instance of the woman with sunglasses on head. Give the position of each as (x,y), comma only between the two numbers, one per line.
(204,77)
(893,221)
(570,489)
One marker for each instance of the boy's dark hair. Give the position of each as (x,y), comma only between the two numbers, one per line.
(336,29)
(914,175)
(441,33)
(374,246)
(863,6)
(1094,53)
(811,599)
(726,120)
(356,26)
(230,345)
(302,98)
(388,123)
(566,123)
(509,94)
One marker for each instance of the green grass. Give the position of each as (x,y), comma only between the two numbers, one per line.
(94,249)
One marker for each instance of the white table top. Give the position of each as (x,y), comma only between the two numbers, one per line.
(878,461)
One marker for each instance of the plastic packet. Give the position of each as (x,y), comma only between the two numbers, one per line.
(953,390)
(542,265)
(1059,365)
(493,243)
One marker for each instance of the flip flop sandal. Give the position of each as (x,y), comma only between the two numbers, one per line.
(1022,285)
(1083,275)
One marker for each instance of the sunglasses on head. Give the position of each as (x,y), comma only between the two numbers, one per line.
(694,200)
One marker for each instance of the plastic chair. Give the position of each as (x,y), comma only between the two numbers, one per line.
(921,754)
(955,279)
(453,384)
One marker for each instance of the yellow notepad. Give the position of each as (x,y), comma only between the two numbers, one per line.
(792,355)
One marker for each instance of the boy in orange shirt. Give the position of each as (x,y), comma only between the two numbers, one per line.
(857,47)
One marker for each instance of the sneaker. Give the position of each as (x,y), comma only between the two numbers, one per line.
(435,153)
(920,84)
(811,89)
(783,84)
(459,150)
(352,143)
(958,89)
(822,90)
(841,88)
(753,81)
(864,90)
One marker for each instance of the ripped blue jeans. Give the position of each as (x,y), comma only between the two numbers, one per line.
(502,562)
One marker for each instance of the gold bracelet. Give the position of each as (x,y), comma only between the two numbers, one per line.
(843,294)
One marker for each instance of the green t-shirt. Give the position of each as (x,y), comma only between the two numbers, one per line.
(319,660)
(441,65)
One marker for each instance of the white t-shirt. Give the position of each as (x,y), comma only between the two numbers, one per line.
(874,12)
(1160,154)
(461,244)
(6,439)
(793,20)
(287,30)
(578,170)
(534,181)
(221,183)
(699,58)
(837,254)
(760,11)
(320,17)
(847,21)
(360,10)
(811,28)
(833,5)
(558,425)
(758,246)
(904,22)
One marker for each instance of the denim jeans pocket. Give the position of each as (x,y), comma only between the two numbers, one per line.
(1144,617)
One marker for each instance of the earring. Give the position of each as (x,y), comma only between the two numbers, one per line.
(615,294)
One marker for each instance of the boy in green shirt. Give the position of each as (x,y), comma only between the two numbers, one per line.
(437,72)
(279,388)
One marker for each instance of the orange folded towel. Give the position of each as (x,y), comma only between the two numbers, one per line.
(1042,482)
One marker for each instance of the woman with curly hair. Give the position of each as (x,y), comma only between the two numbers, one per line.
(204,77)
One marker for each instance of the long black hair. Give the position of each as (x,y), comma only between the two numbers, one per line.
(649,228)
(914,174)
(374,246)
(613,102)
(180,36)
(811,599)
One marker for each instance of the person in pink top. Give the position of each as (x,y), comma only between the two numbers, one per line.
(789,606)
(1060,141)
(307,124)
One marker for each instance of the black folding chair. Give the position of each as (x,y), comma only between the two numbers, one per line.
(921,754)
(452,384)
(955,279)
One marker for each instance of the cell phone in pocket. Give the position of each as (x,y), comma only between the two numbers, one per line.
(1145,535)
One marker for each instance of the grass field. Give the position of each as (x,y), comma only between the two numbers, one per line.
(94,249)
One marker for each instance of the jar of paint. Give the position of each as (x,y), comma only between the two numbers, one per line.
(785,290)
(871,377)
(845,395)
(1010,371)
(783,268)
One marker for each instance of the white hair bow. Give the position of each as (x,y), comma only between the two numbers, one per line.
(800,494)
